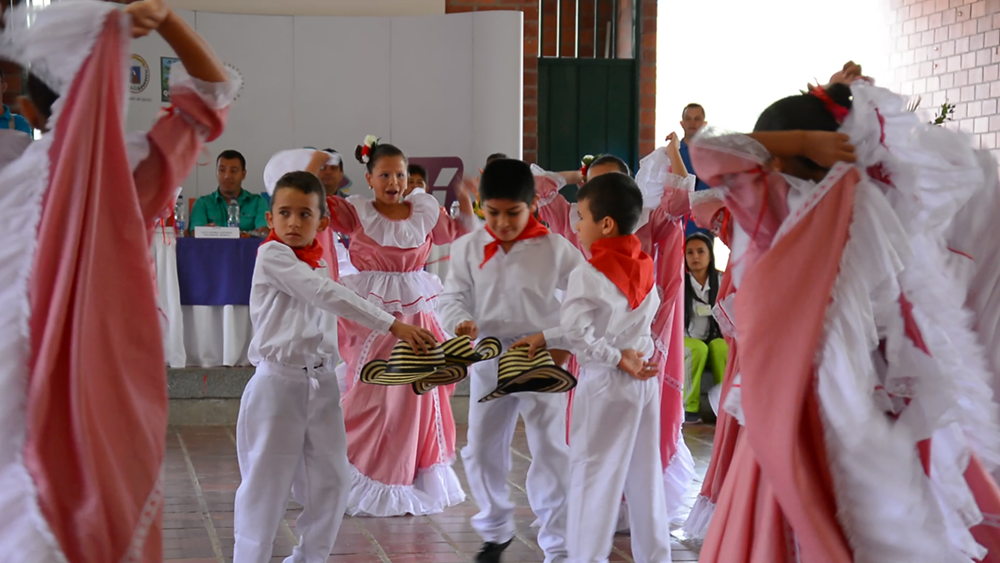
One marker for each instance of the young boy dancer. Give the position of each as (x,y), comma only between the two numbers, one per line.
(503,283)
(615,434)
(290,433)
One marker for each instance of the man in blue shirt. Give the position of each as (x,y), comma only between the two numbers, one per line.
(10,120)
(692,120)
(213,209)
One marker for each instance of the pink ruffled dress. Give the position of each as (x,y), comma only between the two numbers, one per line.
(865,408)
(83,394)
(401,446)
(662,236)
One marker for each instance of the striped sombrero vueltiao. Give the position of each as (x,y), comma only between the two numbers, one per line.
(404,366)
(449,375)
(518,374)
(459,350)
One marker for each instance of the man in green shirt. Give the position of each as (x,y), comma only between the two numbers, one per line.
(213,209)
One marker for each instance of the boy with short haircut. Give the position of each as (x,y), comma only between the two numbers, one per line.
(416,179)
(503,282)
(290,433)
(615,434)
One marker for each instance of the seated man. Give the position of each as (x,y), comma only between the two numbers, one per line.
(212,210)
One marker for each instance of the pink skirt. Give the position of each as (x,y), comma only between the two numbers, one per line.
(401,445)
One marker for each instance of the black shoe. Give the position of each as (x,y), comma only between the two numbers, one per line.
(692,418)
(490,552)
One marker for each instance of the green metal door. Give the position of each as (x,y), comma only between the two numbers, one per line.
(586,106)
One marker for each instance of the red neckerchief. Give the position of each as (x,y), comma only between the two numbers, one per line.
(533,229)
(622,261)
(311,254)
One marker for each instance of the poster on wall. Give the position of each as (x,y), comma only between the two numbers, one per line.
(138,76)
(165,64)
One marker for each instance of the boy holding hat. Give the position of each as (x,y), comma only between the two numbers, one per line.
(615,434)
(503,282)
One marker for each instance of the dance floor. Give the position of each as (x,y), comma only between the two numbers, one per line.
(202,475)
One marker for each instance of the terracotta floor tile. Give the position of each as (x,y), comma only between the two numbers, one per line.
(201,483)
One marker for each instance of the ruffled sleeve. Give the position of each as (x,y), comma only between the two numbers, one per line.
(343,215)
(738,164)
(553,208)
(196,116)
(448,228)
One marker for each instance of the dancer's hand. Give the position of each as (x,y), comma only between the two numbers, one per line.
(420,339)
(534,343)
(632,363)
(848,74)
(827,148)
(467,328)
(673,144)
(147,16)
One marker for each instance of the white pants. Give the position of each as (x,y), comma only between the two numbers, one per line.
(615,448)
(487,460)
(290,436)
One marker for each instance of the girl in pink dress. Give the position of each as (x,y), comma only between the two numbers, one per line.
(665,197)
(869,427)
(83,417)
(401,446)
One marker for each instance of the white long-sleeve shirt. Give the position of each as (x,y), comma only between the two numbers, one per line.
(596,323)
(515,293)
(294,310)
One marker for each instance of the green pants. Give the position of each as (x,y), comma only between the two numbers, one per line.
(713,353)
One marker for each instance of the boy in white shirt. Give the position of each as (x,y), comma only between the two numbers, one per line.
(290,432)
(503,282)
(615,434)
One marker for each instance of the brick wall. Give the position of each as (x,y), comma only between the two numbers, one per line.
(949,51)
(646,51)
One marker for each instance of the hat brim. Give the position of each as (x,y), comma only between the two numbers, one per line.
(544,379)
(486,349)
(448,375)
(375,373)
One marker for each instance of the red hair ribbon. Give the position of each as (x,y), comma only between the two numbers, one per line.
(838,111)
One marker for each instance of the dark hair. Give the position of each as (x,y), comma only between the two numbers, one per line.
(713,286)
(611,159)
(495,156)
(232,155)
(614,195)
(804,112)
(305,182)
(41,95)
(379,152)
(341,165)
(416,169)
(507,178)
(692,106)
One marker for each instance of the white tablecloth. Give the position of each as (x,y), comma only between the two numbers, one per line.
(199,336)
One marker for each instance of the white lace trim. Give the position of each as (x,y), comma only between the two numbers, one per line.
(876,473)
(736,144)
(396,292)
(677,477)
(655,174)
(703,196)
(559,181)
(215,95)
(24,531)
(696,525)
(406,233)
(55,41)
(435,488)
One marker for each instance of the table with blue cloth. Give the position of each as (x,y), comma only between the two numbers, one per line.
(204,287)
(216,272)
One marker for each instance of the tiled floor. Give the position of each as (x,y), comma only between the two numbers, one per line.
(202,476)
